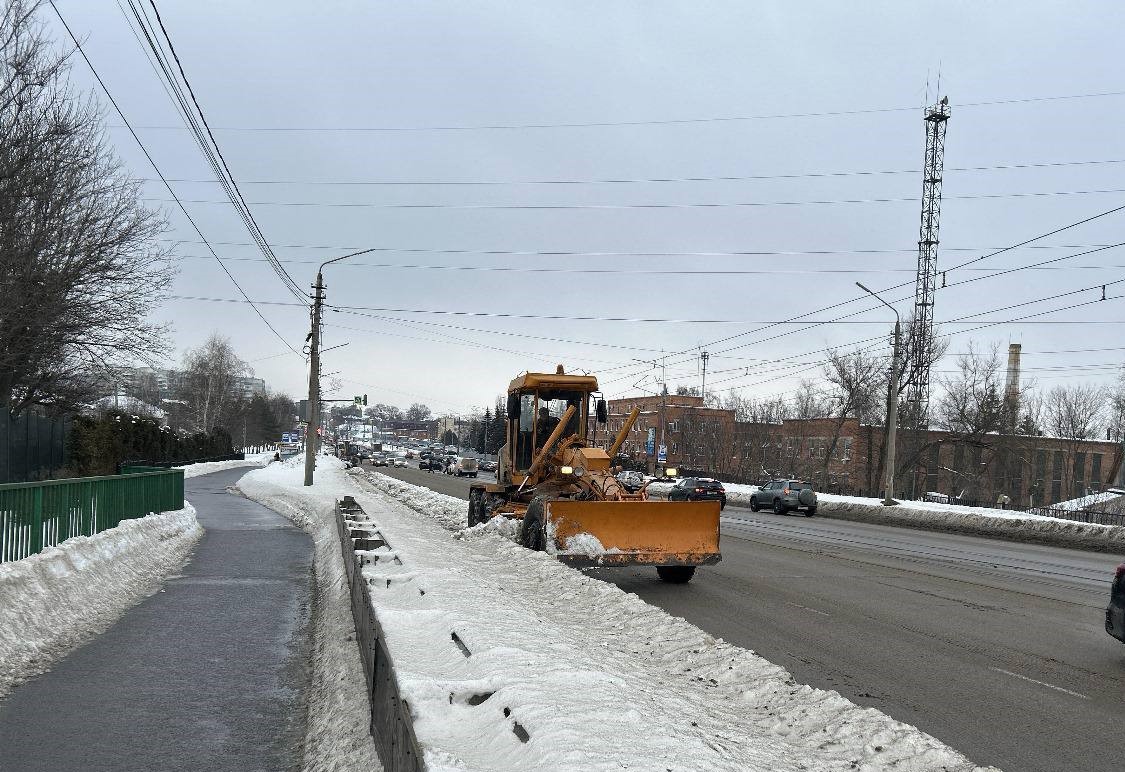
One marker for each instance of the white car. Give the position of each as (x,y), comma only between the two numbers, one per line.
(400,462)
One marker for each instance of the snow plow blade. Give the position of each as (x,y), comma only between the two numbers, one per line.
(634,533)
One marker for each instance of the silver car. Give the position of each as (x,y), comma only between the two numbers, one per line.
(784,495)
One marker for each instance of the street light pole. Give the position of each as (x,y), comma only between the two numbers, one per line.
(314,367)
(892,406)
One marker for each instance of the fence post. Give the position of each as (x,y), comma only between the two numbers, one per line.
(37,520)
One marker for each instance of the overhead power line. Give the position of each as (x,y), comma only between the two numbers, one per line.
(666,205)
(196,120)
(657,122)
(643,180)
(643,271)
(571,253)
(152,162)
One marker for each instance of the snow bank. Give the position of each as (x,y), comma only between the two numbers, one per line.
(977,521)
(52,602)
(1104,501)
(207,467)
(491,640)
(336,734)
(950,518)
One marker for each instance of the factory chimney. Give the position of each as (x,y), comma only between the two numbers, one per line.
(1012,385)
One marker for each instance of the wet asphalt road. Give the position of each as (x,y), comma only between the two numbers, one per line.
(996,648)
(208,675)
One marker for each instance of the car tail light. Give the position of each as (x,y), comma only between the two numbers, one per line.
(786,491)
(700,490)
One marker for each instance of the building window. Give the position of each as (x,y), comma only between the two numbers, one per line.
(675,448)
(1079,474)
(673,426)
(1056,475)
(1096,471)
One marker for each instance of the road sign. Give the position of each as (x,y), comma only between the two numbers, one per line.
(286,437)
(650,443)
(662,456)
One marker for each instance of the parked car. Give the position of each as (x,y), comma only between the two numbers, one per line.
(699,489)
(488,466)
(1115,612)
(785,495)
(633,481)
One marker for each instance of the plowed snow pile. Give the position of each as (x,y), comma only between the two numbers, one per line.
(512,661)
(52,602)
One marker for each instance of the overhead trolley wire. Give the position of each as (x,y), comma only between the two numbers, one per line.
(121,113)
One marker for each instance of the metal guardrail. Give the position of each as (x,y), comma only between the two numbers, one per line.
(391,718)
(43,514)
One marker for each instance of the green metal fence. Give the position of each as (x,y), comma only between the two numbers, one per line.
(43,514)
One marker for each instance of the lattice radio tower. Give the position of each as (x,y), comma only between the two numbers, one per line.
(922,330)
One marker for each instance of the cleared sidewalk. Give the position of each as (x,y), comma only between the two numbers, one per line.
(208,674)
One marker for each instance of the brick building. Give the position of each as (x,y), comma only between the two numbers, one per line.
(846,457)
(697,438)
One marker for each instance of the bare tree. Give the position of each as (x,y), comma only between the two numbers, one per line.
(79,263)
(1117,408)
(1075,412)
(210,381)
(859,380)
(418,412)
(381,412)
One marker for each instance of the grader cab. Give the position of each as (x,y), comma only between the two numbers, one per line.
(556,479)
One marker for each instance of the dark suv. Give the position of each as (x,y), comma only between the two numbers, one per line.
(699,489)
(1115,612)
(785,495)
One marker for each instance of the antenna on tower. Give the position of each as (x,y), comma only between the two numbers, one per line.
(922,328)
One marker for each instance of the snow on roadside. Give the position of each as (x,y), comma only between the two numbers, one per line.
(336,734)
(52,602)
(207,467)
(952,518)
(598,678)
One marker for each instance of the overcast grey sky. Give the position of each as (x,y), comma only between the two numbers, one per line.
(373,93)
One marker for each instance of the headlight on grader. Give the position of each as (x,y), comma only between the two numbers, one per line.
(566,470)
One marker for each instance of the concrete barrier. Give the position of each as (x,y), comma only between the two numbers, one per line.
(392,723)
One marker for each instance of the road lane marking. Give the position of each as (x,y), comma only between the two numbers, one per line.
(1041,683)
(806,608)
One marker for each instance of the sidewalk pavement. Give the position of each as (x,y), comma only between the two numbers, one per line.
(209,673)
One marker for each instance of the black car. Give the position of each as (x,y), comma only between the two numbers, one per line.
(699,489)
(1115,612)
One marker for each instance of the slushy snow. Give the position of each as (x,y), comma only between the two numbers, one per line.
(594,677)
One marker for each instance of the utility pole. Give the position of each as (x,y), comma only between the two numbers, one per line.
(704,356)
(314,380)
(892,406)
(663,406)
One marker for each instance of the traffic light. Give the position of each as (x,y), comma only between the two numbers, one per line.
(365,400)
